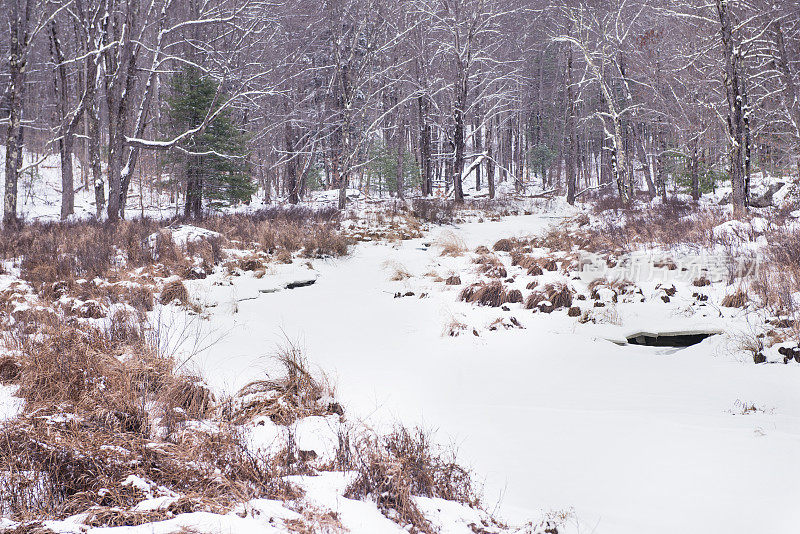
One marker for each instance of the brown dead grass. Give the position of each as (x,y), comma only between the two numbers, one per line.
(491,266)
(395,468)
(492,294)
(294,395)
(739,299)
(451,244)
(174,291)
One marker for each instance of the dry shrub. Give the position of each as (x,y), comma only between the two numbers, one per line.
(321,241)
(174,291)
(140,297)
(274,226)
(739,299)
(454,280)
(433,211)
(395,468)
(284,256)
(294,395)
(252,263)
(701,282)
(492,294)
(451,244)
(65,251)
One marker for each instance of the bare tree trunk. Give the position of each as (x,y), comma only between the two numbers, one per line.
(425,146)
(572,141)
(789,94)
(478,140)
(70,119)
(694,169)
(19,18)
(640,140)
(291,164)
(401,146)
(459,141)
(737,128)
(490,158)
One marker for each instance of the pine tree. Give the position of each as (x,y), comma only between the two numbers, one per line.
(214,160)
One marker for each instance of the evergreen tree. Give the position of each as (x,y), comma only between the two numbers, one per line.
(213,160)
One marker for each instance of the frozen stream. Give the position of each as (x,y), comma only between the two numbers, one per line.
(634,439)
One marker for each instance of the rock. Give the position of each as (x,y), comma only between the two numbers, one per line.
(765,199)
(546,306)
(759,357)
(789,354)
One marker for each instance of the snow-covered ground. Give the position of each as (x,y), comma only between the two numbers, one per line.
(557,418)
(626,439)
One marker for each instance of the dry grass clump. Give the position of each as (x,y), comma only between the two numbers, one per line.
(294,395)
(534,299)
(191,395)
(491,266)
(560,295)
(9,370)
(492,294)
(454,280)
(451,244)
(58,467)
(397,271)
(93,417)
(616,286)
(514,296)
(531,264)
(174,291)
(60,253)
(739,299)
(553,297)
(393,469)
(503,245)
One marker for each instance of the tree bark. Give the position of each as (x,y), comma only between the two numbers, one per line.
(19,18)
(736,121)
(425,146)
(490,158)
(572,138)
